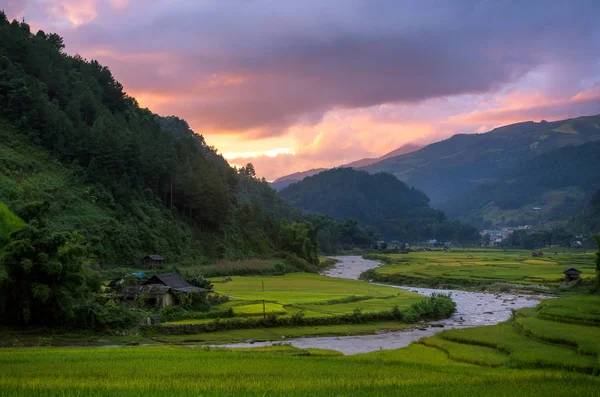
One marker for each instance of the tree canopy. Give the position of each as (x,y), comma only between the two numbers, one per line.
(379,201)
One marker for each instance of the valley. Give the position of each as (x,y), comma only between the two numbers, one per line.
(136,258)
(547,349)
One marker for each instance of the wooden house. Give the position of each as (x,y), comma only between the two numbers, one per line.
(572,274)
(175,282)
(151,295)
(153,261)
(160,290)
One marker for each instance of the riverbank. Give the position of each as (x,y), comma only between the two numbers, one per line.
(549,350)
(498,271)
(473,309)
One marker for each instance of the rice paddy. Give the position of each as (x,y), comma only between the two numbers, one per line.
(530,341)
(178,371)
(482,267)
(311,294)
(550,350)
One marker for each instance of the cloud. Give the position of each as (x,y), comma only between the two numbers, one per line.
(13,8)
(279,64)
(335,81)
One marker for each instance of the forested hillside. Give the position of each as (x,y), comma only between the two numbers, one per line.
(379,201)
(558,184)
(79,153)
(447,169)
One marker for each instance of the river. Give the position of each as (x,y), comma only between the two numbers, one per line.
(473,309)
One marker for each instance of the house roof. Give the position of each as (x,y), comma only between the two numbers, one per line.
(572,270)
(175,281)
(152,290)
(155,257)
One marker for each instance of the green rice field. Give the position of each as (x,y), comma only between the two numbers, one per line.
(312,294)
(481,267)
(418,370)
(532,339)
(550,350)
(529,355)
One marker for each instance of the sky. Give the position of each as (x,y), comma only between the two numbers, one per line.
(295,85)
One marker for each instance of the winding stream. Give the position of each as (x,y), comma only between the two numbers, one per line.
(473,309)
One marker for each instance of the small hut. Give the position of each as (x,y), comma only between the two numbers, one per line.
(537,254)
(173,281)
(160,290)
(153,295)
(571,274)
(153,261)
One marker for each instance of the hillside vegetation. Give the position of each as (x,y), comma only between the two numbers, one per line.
(78,153)
(9,222)
(447,169)
(560,183)
(379,201)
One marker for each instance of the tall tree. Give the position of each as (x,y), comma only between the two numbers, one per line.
(46,282)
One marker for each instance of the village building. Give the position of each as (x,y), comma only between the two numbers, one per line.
(160,290)
(572,274)
(153,261)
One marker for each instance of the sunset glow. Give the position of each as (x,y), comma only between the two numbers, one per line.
(325,84)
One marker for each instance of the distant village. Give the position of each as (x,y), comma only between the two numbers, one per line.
(500,234)
(489,238)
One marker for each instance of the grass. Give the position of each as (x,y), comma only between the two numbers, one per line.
(468,353)
(523,351)
(300,301)
(224,268)
(9,222)
(314,295)
(178,371)
(282,333)
(574,309)
(481,267)
(530,340)
(305,288)
(550,350)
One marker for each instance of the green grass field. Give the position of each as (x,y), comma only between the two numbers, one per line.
(281,333)
(482,267)
(550,350)
(313,294)
(179,371)
(530,340)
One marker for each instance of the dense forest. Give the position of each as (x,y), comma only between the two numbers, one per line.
(560,183)
(379,201)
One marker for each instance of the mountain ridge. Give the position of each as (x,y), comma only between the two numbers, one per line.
(286,180)
(379,201)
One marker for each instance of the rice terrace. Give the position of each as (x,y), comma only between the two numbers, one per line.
(316,198)
(552,348)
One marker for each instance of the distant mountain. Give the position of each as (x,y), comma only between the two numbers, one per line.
(448,169)
(549,187)
(589,219)
(283,182)
(379,201)
(404,149)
